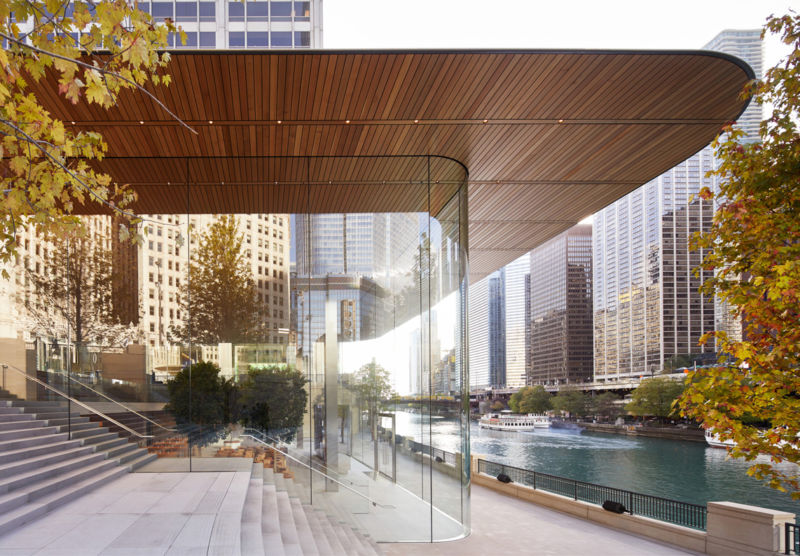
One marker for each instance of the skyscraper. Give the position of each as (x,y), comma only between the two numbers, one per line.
(561,308)
(515,338)
(648,313)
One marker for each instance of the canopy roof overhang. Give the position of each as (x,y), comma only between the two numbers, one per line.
(547,137)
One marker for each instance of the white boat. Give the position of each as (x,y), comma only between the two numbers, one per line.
(507,421)
(715,441)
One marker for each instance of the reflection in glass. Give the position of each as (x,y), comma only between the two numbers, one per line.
(338,337)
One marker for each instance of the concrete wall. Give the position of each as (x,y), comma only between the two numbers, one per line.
(732,529)
(129,366)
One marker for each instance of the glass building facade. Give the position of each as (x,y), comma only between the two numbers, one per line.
(561,309)
(365,386)
(648,313)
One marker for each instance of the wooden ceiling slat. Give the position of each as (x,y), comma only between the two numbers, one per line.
(630,116)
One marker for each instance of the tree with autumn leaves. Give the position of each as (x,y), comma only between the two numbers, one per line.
(753,250)
(91,51)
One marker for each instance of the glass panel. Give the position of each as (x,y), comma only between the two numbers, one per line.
(236,39)
(190,42)
(208,11)
(257,39)
(257,11)
(162,10)
(326,344)
(281,39)
(281,11)
(185,11)
(208,39)
(302,39)
(235,10)
(302,11)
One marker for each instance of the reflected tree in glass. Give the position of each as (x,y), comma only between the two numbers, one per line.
(273,399)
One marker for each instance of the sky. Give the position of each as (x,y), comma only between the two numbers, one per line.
(532,24)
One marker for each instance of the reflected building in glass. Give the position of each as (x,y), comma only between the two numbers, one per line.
(648,313)
(561,309)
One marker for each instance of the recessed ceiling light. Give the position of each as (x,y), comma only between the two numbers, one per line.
(561,121)
(73,123)
(211,121)
(280,122)
(486,121)
(141,122)
(416,121)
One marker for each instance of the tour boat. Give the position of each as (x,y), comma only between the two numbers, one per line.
(507,421)
(715,442)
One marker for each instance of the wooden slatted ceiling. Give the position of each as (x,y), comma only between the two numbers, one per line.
(566,133)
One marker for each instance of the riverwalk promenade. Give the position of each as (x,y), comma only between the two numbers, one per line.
(168,514)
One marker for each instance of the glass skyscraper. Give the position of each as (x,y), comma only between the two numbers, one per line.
(648,313)
(561,309)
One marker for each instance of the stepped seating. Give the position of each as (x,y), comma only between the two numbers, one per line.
(276,521)
(43,466)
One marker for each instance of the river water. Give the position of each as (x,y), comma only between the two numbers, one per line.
(686,471)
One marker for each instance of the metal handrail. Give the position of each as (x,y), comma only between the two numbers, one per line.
(122,405)
(278,446)
(328,477)
(83,405)
(655,507)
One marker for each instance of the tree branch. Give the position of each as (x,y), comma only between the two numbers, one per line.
(102,71)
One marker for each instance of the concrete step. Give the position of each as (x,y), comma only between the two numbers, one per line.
(10,520)
(291,542)
(252,540)
(330,533)
(119,450)
(19,497)
(320,536)
(34,403)
(33,451)
(226,533)
(91,430)
(12,419)
(8,410)
(15,434)
(98,438)
(49,457)
(108,444)
(60,421)
(61,467)
(304,534)
(141,460)
(33,441)
(76,426)
(270,522)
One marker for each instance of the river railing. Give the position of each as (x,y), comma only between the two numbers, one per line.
(662,509)
(792,538)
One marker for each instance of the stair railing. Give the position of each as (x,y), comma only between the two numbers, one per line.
(76,402)
(112,400)
(313,469)
(282,447)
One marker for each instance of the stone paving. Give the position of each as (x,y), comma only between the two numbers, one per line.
(505,525)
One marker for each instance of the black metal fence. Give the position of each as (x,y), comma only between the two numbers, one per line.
(792,539)
(446,457)
(663,509)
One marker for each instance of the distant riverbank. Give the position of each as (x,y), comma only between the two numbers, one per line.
(671,432)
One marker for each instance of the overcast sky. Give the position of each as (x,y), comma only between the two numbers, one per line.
(562,24)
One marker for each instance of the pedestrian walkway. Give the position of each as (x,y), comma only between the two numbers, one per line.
(505,525)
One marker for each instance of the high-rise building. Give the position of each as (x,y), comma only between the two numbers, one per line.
(478,324)
(497,329)
(258,24)
(515,322)
(648,313)
(561,309)
(747,45)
